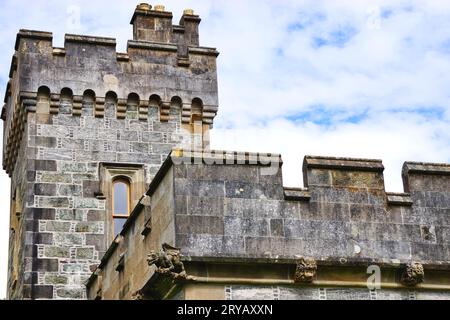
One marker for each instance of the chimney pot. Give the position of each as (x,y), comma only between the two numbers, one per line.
(159,7)
(144,6)
(189,12)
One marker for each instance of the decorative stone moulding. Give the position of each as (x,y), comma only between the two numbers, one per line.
(168,262)
(413,274)
(305,271)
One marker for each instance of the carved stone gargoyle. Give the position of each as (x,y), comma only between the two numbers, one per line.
(306,270)
(413,274)
(168,262)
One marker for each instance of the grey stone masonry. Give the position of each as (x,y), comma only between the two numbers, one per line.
(68,112)
(230,208)
(228,211)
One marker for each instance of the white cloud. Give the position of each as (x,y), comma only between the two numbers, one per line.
(292,72)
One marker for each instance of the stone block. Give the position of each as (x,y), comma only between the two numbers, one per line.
(199,188)
(45,189)
(152,137)
(70,214)
(56,178)
(347,294)
(69,190)
(276,228)
(68,239)
(327,211)
(237,226)
(138,158)
(56,252)
(75,167)
(70,293)
(208,206)
(45,265)
(246,190)
(53,202)
(190,224)
(128,135)
(96,215)
(42,165)
(86,203)
(57,226)
(41,214)
(368,213)
(42,292)
(96,240)
(90,188)
(55,279)
(85,253)
(38,238)
(89,227)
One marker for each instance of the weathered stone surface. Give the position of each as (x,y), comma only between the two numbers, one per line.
(56,252)
(67,293)
(57,226)
(44,189)
(89,227)
(55,279)
(85,253)
(233,208)
(67,239)
(70,214)
(42,292)
(69,190)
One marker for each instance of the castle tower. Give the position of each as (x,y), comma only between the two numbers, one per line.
(85,130)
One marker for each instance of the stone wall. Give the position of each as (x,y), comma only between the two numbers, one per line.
(234,222)
(67,220)
(344,211)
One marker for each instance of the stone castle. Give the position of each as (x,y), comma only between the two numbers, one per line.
(115,193)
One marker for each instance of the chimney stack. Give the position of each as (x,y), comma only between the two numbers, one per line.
(190,22)
(152,25)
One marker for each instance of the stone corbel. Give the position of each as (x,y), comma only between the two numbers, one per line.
(99,111)
(305,271)
(77,105)
(168,262)
(54,103)
(164,110)
(121,112)
(143,110)
(413,274)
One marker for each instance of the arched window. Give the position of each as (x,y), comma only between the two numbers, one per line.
(121,203)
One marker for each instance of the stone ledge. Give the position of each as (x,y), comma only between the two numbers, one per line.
(204,51)
(123,57)
(219,157)
(317,162)
(90,40)
(426,168)
(399,199)
(32,34)
(344,262)
(296,194)
(152,45)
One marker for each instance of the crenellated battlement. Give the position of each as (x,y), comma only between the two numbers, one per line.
(164,73)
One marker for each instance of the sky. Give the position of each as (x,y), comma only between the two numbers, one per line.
(366,79)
